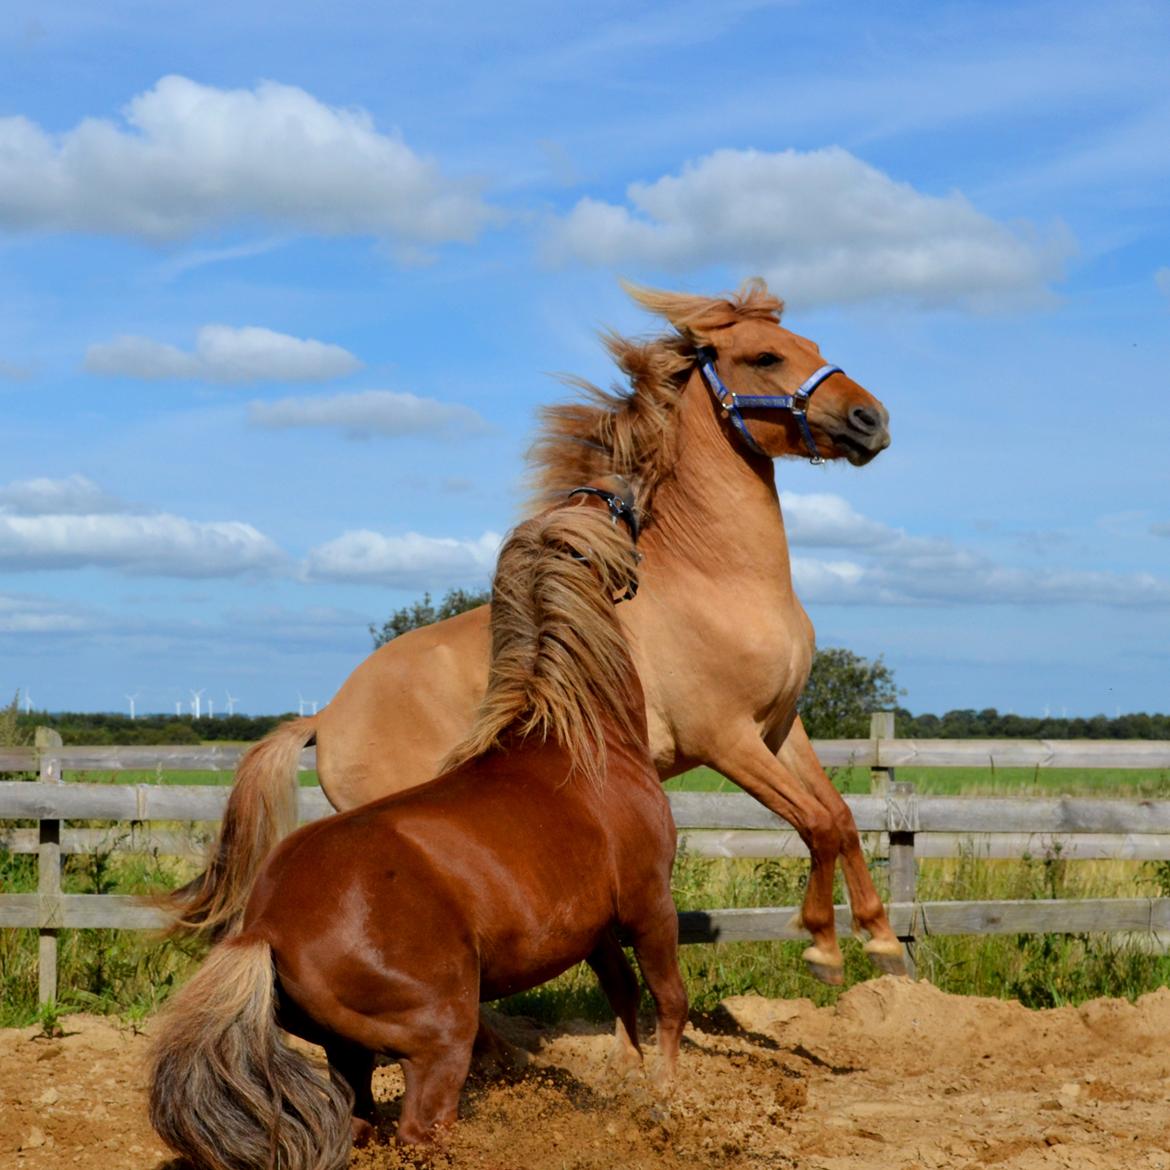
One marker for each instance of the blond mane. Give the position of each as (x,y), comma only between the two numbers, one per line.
(632,431)
(560,665)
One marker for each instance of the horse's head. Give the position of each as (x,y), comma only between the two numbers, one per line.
(772,385)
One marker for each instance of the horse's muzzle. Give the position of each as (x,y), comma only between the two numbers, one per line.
(864,434)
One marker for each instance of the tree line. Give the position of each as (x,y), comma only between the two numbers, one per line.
(843,690)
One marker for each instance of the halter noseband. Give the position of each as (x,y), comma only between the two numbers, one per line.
(797,402)
(618,510)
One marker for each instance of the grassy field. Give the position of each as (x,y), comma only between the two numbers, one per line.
(129,973)
(1137,782)
(1121,782)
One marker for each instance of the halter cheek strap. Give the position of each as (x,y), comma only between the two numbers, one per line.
(618,510)
(797,402)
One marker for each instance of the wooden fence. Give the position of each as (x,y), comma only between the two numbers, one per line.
(900,825)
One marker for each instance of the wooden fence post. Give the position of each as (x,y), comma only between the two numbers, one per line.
(881,726)
(48,872)
(902,825)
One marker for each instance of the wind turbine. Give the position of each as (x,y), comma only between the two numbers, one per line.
(231,703)
(210,708)
(178,708)
(27,701)
(130,699)
(196,698)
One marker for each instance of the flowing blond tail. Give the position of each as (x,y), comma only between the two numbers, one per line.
(226,1091)
(261,810)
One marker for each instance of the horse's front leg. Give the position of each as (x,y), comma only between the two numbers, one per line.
(750,764)
(869,915)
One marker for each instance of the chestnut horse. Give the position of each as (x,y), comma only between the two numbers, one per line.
(546,840)
(721,642)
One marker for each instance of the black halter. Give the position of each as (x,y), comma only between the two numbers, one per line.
(618,510)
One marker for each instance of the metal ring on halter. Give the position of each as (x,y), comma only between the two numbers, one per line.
(618,510)
(797,403)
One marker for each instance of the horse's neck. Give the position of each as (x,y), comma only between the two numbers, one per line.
(719,510)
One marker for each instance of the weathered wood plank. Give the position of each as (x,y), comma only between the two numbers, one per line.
(1052,815)
(868,753)
(737,810)
(130,802)
(752,925)
(136,837)
(1109,915)
(69,911)
(999,753)
(1041,916)
(1025,753)
(693,810)
(141,758)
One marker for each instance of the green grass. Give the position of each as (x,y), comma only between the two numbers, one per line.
(120,972)
(1102,782)
(166,776)
(1120,782)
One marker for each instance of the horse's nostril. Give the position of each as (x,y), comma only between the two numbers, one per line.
(863,419)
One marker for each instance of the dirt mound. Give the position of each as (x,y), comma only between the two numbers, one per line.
(897,1075)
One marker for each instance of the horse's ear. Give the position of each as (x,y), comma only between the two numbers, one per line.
(691,315)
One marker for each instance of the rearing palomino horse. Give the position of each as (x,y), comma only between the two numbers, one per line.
(721,642)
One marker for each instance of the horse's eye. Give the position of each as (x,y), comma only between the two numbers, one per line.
(766,359)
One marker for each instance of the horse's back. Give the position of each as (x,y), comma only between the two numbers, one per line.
(508,857)
(399,713)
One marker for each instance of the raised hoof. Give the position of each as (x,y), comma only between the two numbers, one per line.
(886,959)
(825,967)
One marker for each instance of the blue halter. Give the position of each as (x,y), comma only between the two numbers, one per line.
(796,402)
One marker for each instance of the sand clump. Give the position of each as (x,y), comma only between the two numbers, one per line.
(896,1075)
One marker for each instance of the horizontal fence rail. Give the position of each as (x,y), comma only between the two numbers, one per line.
(896,823)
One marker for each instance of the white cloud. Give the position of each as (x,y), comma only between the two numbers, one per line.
(161,544)
(370,412)
(20,614)
(821,225)
(74,496)
(11,372)
(71,523)
(817,519)
(406,562)
(189,157)
(890,567)
(224,354)
(970,579)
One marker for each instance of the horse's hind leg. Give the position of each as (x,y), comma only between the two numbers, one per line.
(620,985)
(434,1077)
(353,1066)
(656,948)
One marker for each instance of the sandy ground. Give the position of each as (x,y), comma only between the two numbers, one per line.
(897,1075)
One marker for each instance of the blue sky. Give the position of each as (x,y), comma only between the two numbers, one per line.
(283,287)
